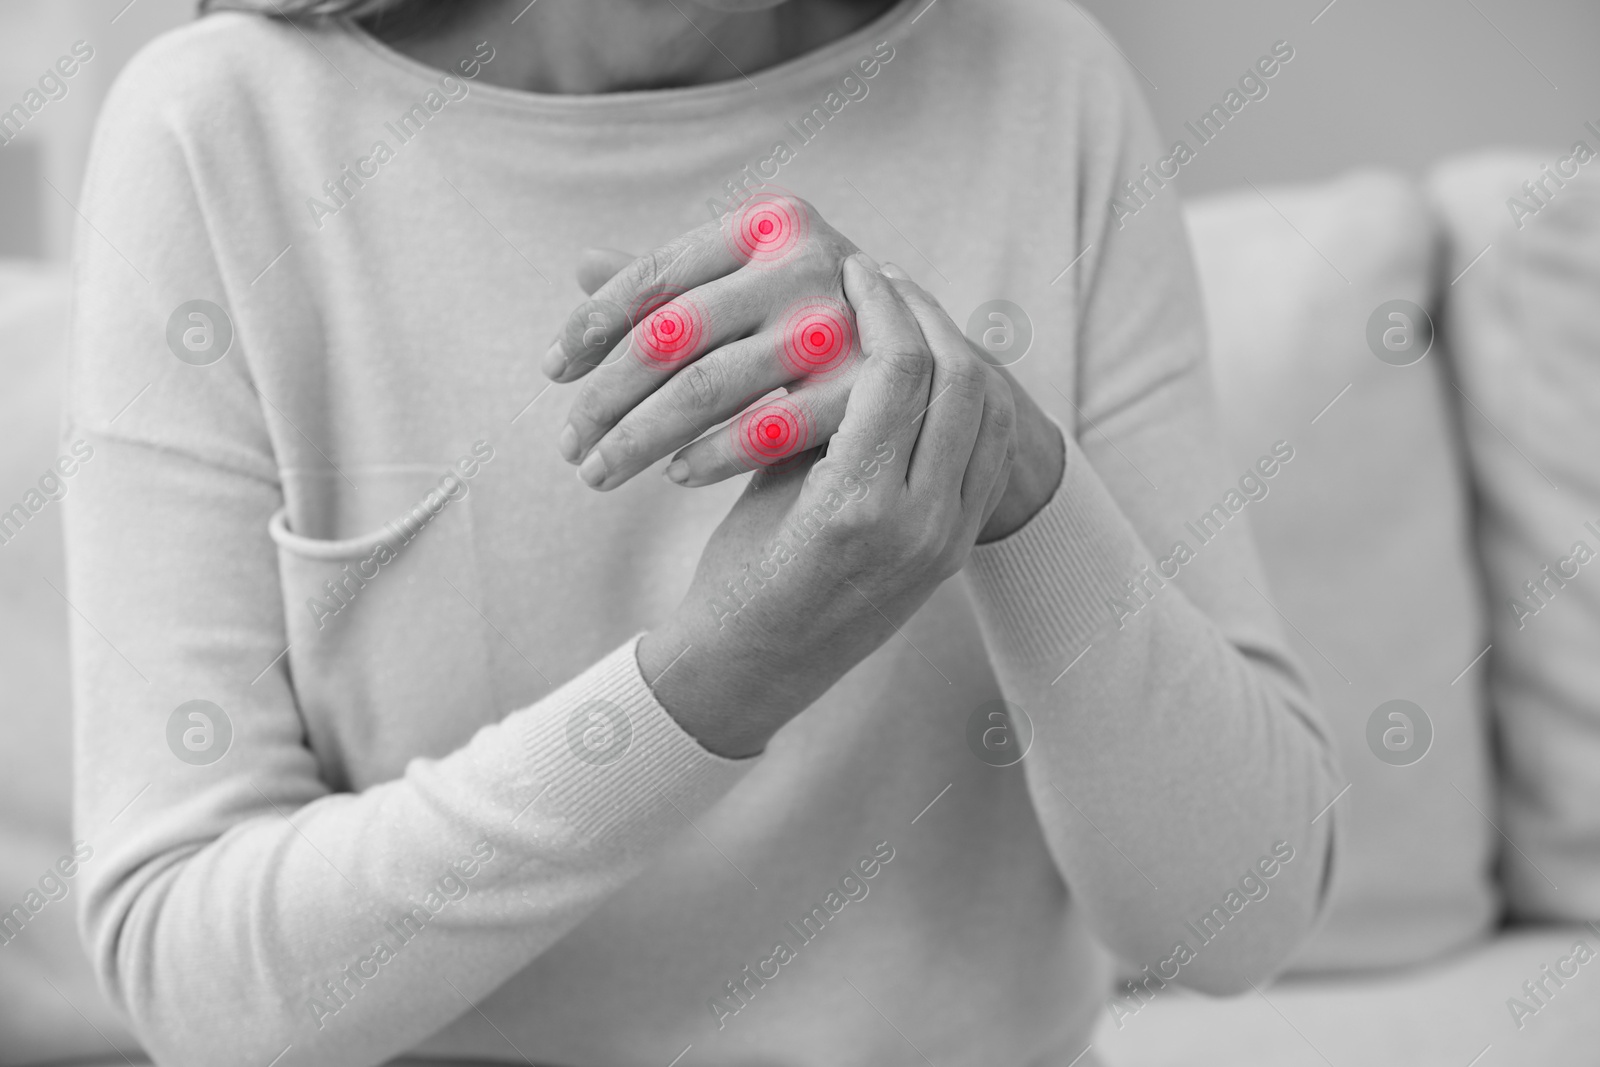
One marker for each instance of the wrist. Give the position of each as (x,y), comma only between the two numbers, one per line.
(709,692)
(1036,474)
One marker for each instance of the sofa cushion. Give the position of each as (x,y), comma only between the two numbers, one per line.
(1442,1015)
(1365,540)
(1524,331)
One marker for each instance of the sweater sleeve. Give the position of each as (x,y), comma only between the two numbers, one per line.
(1174,744)
(235,905)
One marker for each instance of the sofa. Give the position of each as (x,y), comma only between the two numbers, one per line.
(1433,358)
(1445,459)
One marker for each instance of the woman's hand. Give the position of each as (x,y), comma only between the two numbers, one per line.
(695,332)
(709,327)
(821,560)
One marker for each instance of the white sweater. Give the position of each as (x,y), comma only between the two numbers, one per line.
(407,831)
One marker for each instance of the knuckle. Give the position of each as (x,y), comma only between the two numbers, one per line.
(702,382)
(597,408)
(572,330)
(818,257)
(591,331)
(1003,413)
(652,267)
(622,444)
(586,411)
(904,360)
(968,378)
(798,204)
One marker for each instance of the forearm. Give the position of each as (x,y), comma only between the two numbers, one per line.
(239,905)
(333,932)
(730,695)
(1167,759)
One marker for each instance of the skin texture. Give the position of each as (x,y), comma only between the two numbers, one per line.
(917,481)
(637,407)
(598,46)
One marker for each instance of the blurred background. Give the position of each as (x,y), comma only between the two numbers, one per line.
(1393,82)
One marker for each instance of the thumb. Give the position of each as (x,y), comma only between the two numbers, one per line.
(597,265)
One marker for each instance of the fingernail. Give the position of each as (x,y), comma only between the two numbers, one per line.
(567,443)
(868,262)
(554,362)
(593,469)
(677,472)
(893,270)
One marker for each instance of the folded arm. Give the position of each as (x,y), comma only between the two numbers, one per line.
(1175,743)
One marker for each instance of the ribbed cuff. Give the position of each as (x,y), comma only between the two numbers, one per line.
(1044,591)
(616,763)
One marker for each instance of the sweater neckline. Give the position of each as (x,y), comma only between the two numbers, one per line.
(802,70)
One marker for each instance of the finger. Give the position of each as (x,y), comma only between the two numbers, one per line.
(686,406)
(882,417)
(997,492)
(596,266)
(989,469)
(814,343)
(765,436)
(668,339)
(766,229)
(960,386)
(597,325)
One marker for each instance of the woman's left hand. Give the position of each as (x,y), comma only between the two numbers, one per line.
(709,327)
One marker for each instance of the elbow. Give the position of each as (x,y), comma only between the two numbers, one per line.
(110,917)
(1247,962)
(102,914)
(175,1022)
(1261,941)
(1233,978)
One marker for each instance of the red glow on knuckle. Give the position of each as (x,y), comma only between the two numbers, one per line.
(817,338)
(766,229)
(670,326)
(771,434)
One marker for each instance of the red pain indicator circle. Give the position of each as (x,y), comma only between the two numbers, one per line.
(669,327)
(817,337)
(771,433)
(766,229)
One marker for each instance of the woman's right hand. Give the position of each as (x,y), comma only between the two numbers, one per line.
(819,564)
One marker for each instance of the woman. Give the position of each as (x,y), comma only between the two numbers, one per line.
(398,740)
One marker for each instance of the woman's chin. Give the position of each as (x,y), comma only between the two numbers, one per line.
(740,7)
